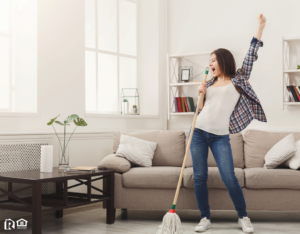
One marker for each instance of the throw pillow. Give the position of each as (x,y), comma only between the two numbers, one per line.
(112,162)
(281,151)
(294,161)
(136,150)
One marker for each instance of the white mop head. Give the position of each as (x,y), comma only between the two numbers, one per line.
(171,224)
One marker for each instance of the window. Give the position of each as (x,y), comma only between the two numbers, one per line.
(110,53)
(18,56)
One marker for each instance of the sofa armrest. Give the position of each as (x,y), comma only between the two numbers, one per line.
(113,162)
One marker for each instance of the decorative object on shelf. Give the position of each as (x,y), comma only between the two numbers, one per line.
(298,66)
(134,109)
(46,158)
(185,73)
(125,106)
(64,155)
(134,95)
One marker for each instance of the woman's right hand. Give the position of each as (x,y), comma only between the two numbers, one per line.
(202,88)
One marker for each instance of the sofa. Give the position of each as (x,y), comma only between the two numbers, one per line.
(154,187)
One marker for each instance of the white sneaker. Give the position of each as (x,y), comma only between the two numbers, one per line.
(203,225)
(245,224)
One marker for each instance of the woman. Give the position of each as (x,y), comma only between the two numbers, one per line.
(230,105)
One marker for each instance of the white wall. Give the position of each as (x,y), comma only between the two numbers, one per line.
(195,26)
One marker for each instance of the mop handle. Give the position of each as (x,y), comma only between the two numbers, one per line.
(189,143)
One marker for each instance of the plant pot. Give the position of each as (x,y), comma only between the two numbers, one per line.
(134,110)
(125,108)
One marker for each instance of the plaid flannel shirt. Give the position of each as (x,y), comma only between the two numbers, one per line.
(248,106)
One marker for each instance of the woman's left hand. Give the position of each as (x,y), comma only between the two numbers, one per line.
(261,20)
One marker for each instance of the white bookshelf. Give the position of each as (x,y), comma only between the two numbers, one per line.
(199,61)
(288,70)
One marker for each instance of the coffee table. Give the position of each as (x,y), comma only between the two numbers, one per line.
(59,200)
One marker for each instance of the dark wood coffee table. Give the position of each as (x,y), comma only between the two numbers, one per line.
(59,200)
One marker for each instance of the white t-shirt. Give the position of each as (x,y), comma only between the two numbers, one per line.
(218,107)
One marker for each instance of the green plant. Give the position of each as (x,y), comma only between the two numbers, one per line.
(298,66)
(79,122)
(134,106)
(125,100)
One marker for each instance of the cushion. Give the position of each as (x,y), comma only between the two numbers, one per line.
(170,147)
(137,151)
(282,178)
(214,177)
(114,162)
(294,161)
(257,143)
(281,151)
(151,177)
(237,147)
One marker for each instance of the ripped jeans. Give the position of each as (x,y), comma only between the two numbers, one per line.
(221,149)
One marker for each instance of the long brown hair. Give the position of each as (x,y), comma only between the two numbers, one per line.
(226,61)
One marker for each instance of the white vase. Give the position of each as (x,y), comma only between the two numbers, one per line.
(125,108)
(134,110)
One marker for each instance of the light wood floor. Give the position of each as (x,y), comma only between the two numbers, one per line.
(91,220)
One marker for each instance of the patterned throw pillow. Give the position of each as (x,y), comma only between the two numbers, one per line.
(280,152)
(294,161)
(136,150)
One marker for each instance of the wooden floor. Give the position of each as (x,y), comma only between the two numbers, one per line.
(91,220)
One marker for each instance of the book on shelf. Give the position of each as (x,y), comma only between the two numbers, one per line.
(184,104)
(290,94)
(295,94)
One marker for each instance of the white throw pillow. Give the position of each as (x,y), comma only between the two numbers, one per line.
(136,150)
(280,152)
(294,161)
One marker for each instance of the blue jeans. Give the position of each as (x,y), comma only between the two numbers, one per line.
(221,149)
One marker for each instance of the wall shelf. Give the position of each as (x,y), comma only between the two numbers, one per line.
(199,61)
(287,72)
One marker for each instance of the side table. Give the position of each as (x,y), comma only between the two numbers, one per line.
(59,200)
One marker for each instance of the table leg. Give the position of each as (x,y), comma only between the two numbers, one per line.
(59,187)
(37,208)
(110,211)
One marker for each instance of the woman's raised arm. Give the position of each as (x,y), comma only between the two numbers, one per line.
(255,43)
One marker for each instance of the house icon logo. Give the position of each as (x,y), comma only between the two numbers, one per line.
(21,224)
(9,224)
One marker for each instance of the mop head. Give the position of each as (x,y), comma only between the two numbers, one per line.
(171,224)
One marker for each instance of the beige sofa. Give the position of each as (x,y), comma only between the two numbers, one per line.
(154,187)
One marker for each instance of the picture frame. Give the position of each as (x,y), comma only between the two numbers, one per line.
(185,74)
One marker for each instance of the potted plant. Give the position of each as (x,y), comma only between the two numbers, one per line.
(125,106)
(79,122)
(134,109)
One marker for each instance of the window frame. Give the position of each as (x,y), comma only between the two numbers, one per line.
(10,111)
(118,55)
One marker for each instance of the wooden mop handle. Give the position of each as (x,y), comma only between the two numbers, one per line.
(189,143)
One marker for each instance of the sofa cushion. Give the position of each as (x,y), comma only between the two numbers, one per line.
(170,145)
(137,151)
(280,152)
(237,147)
(282,178)
(214,177)
(257,143)
(113,162)
(151,177)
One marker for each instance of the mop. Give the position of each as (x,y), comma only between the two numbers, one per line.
(171,222)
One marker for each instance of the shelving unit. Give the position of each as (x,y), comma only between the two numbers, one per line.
(287,71)
(175,89)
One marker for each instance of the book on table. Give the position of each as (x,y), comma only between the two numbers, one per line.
(80,169)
